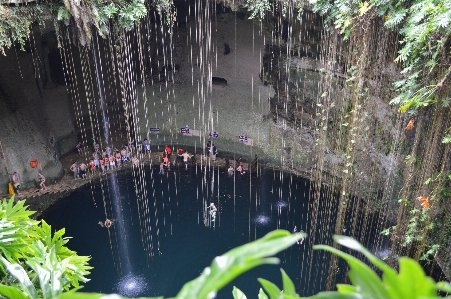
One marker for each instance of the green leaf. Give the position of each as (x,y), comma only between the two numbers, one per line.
(19,273)
(444,286)
(447,138)
(72,295)
(238,294)
(365,279)
(346,288)
(235,262)
(412,281)
(12,292)
(262,295)
(270,288)
(337,295)
(288,286)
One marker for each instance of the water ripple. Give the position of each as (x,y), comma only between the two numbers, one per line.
(131,286)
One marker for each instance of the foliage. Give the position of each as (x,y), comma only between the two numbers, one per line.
(96,13)
(411,281)
(35,263)
(258,8)
(423,25)
(226,267)
(16,21)
(166,8)
(15,24)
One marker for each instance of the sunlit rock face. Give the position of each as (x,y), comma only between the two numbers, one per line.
(261,80)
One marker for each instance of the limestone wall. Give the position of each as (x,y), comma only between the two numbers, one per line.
(33,112)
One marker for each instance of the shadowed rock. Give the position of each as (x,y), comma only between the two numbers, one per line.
(219,81)
(226,49)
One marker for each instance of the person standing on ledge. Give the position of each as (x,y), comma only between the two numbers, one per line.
(135,161)
(16,183)
(78,147)
(74,168)
(42,181)
(83,170)
(146,146)
(214,152)
(168,150)
(185,156)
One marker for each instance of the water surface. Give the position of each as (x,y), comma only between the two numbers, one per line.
(168,238)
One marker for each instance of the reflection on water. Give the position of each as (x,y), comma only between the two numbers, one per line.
(262,220)
(281,204)
(131,286)
(168,243)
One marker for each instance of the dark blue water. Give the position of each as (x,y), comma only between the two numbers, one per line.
(167,241)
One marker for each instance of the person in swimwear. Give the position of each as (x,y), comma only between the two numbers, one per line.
(42,181)
(108,223)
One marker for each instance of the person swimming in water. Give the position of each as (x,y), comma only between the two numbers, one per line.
(231,170)
(213,211)
(108,223)
(295,229)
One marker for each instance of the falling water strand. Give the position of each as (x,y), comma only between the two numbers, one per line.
(115,196)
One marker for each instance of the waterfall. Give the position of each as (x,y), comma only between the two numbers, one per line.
(115,194)
(327,122)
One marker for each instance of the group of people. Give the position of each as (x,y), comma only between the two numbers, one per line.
(182,154)
(106,160)
(109,159)
(16,182)
(240,168)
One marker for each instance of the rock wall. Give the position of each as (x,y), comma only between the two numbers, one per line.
(33,112)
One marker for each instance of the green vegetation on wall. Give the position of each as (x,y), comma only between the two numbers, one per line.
(424,29)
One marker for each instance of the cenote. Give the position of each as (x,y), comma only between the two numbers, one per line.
(169,237)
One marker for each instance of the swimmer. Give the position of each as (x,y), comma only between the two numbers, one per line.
(295,229)
(166,161)
(240,169)
(301,240)
(213,210)
(230,170)
(185,157)
(108,223)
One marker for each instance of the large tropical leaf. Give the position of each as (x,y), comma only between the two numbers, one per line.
(21,275)
(235,262)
